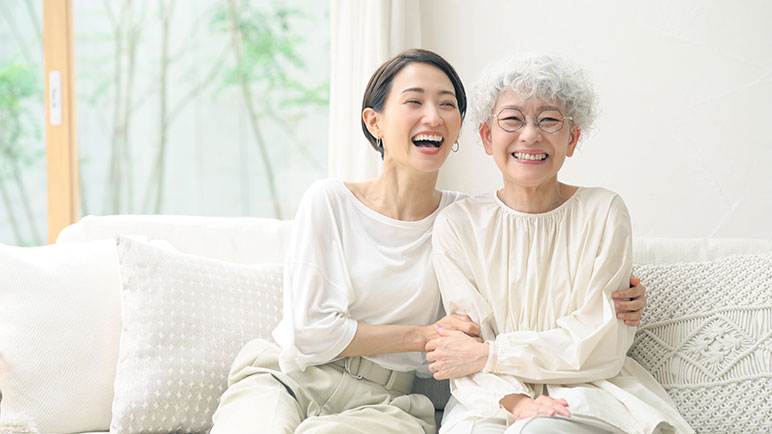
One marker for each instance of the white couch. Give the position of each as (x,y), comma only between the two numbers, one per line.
(140,333)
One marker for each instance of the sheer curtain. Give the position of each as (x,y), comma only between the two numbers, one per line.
(364,34)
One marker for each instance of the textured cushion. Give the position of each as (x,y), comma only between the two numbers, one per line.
(184,320)
(706,336)
(59,329)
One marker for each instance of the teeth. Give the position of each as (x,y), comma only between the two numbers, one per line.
(428,137)
(524,156)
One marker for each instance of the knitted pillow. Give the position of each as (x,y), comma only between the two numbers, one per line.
(706,336)
(185,318)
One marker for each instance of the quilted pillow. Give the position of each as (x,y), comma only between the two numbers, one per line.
(185,318)
(706,336)
(60,322)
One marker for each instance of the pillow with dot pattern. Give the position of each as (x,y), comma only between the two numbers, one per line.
(185,318)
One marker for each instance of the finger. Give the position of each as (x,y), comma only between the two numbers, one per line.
(559,409)
(432,345)
(549,411)
(462,325)
(473,329)
(440,331)
(634,281)
(631,305)
(634,315)
(630,318)
(627,293)
(441,375)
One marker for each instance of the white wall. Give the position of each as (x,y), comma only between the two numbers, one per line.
(685,92)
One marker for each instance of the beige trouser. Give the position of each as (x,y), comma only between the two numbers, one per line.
(321,399)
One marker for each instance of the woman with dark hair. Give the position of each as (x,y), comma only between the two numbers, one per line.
(360,296)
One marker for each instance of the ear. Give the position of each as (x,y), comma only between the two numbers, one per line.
(485,134)
(371,118)
(573,140)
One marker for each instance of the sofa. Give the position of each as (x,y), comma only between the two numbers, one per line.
(129,324)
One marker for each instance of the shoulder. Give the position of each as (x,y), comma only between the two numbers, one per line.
(323,200)
(600,198)
(450,196)
(325,188)
(323,191)
(603,206)
(466,210)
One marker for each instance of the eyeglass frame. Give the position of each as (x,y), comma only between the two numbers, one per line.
(525,120)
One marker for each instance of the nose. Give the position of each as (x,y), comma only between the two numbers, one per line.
(431,115)
(530,133)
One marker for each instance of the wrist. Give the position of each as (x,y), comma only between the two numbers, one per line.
(482,356)
(419,337)
(510,401)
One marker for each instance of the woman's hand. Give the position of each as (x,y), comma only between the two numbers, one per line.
(455,322)
(455,354)
(629,303)
(523,406)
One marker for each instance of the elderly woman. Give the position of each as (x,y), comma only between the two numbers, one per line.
(535,265)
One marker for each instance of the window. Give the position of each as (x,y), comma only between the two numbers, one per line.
(204,107)
(22,145)
(201,107)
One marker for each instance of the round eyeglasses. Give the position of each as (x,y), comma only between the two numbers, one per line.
(511,119)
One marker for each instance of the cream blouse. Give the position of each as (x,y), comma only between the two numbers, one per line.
(540,287)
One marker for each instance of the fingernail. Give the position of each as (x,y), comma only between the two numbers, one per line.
(617,305)
(620,316)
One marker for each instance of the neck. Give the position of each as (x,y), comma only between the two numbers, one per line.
(534,199)
(401,194)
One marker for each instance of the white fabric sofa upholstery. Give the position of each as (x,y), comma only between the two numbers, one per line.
(61,328)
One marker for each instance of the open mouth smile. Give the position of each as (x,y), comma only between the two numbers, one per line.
(428,141)
(529,156)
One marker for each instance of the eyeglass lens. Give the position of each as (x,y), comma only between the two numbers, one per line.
(511,120)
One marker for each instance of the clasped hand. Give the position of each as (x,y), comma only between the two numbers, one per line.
(454,353)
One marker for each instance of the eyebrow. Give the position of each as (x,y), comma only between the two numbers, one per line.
(538,109)
(421,90)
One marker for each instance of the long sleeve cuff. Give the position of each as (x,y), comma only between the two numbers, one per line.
(490,365)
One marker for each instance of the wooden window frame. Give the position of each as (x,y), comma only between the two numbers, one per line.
(61,137)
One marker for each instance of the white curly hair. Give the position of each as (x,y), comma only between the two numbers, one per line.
(544,75)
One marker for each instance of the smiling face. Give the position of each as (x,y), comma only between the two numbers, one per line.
(528,157)
(420,120)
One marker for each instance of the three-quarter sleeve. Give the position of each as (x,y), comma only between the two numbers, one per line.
(590,343)
(316,325)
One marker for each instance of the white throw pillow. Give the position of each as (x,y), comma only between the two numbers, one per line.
(60,323)
(706,336)
(185,318)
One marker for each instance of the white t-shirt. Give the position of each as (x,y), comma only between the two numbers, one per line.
(348,263)
(540,287)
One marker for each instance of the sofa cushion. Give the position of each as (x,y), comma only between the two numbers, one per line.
(59,330)
(244,240)
(185,318)
(706,336)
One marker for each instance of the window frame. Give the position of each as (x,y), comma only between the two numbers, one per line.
(61,139)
